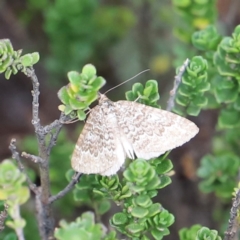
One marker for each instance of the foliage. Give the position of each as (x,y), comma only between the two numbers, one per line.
(197,232)
(81,91)
(77,31)
(147,95)
(222,81)
(139,215)
(189,233)
(222,53)
(83,194)
(191,16)
(13,192)
(11,61)
(190,97)
(219,173)
(83,228)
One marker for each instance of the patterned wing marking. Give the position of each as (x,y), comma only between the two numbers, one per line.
(152,131)
(98,149)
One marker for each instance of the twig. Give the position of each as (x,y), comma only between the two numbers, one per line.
(15,155)
(17,217)
(58,126)
(35,103)
(69,187)
(33,158)
(177,81)
(55,124)
(3,216)
(45,217)
(232,223)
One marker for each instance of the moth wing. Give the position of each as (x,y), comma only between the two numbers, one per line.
(98,149)
(151,131)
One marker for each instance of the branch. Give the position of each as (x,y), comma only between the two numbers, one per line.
(35,103)
(44,210)
(177,81)
(15,155)
(40,134)
(33,158)
(69,187)
(57,124)
(45,221)
(233,223)
(3,216)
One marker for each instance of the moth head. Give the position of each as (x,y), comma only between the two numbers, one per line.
(104,100)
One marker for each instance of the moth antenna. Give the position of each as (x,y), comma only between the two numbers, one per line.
(126,81)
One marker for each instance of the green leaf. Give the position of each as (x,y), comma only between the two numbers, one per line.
(189,234)
(202,87)
(8,45)
(68,110)
(137,88)
(81,115)
(63,95)
(206,233)
(200,101)
(139,212)
(119,219)
(184,90)
(74,78)
(61,108)
(182,100)
(135,228)
(19,223)
(130,96)
(206,39)
(153,84)
(229,118)
(77,104)
(159,234)
(226,95)
(164,167)
(164,181)
(147,91)
(193,110)
(27,60)
(23,195)
(8,73)
(69,174)
(154,209)
(89,70)
(71,233)
(35,57)
(98,83)
(143,201)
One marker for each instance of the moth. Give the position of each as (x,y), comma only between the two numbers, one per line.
(116,130)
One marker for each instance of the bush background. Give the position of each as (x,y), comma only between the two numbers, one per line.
(121,38)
